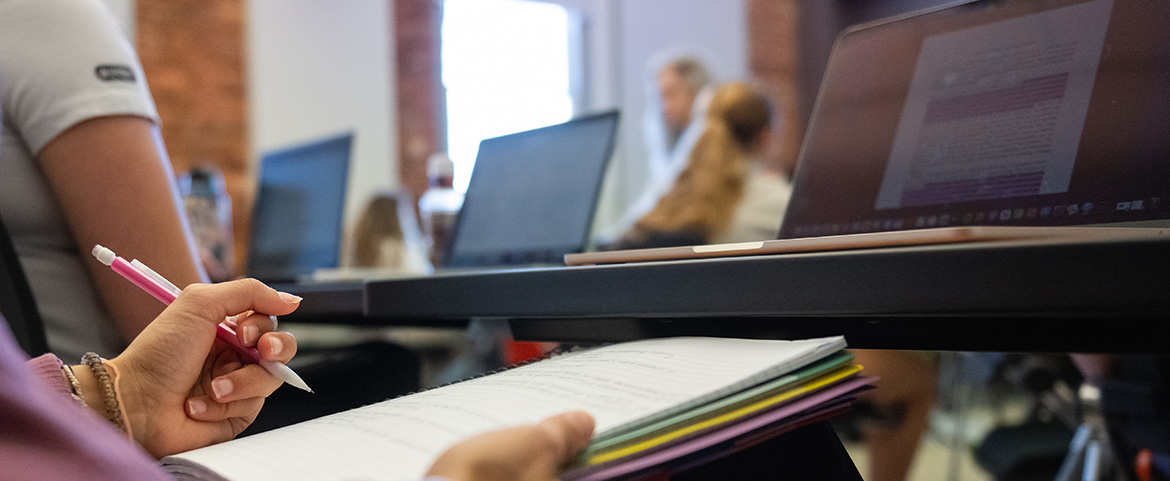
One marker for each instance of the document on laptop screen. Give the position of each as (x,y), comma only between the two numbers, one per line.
(1023,113)
(996,111)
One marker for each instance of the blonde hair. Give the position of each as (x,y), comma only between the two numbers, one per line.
(709,188)
(377,225)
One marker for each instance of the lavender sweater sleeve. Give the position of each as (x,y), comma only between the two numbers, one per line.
(44,434)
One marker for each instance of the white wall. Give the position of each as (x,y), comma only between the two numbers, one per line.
(320,68)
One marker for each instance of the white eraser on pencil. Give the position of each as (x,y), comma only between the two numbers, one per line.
(104,255)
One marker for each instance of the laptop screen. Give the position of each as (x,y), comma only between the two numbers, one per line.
(532,195)
(1026,112)
(297,216)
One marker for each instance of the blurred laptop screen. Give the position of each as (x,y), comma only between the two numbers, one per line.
(297,218)
(532,194)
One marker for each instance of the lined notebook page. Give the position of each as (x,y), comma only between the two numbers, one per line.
(400,438)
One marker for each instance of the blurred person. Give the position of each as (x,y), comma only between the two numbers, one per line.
(679,83)
(386,236)
(724,193)
(81,163)
(894,416)
(681,89)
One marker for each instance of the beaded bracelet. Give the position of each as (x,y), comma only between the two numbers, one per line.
(97,365)
(74,386)
(113,368)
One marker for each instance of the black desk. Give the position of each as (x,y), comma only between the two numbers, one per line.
(1007,296)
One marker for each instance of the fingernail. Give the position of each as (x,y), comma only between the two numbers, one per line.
(275,346)
(251,334)
(221,387)
(196,407)
(581,422)
(286,297)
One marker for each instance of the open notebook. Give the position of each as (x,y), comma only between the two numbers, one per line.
(656,402)
(983,113)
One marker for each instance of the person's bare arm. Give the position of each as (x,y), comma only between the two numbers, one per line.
(115,185)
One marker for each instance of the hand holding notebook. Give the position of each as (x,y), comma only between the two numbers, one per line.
(523,453)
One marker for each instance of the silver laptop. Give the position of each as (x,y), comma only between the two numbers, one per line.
(976,120)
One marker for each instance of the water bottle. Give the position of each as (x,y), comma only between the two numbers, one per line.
(439,206)
(209,211)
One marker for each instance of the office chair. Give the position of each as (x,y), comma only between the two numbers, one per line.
(16,301)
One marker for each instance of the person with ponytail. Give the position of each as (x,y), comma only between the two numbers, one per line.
(724,194)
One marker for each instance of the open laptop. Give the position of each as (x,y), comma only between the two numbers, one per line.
(297,217)
(977,121)
(532,195)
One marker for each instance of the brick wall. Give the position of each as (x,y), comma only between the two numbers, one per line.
(421,107)
(193,54)
(773,60)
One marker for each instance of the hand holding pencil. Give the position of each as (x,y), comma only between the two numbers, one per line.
(181,390)
(166,292)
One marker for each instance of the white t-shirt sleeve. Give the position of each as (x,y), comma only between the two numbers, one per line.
(63,62)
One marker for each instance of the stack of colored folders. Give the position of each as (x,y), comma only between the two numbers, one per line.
(690,435)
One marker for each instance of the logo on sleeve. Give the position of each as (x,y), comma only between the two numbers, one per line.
(114,73)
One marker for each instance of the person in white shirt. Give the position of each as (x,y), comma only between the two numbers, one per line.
(682,88)
(724,193)
(83,163)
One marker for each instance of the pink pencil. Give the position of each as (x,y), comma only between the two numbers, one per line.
(161,289)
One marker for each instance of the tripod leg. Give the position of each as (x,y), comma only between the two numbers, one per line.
(1093,462)
(1074,461)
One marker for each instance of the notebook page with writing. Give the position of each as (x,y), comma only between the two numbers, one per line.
(400,438)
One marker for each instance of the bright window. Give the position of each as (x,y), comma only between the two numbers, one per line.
(506,68)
